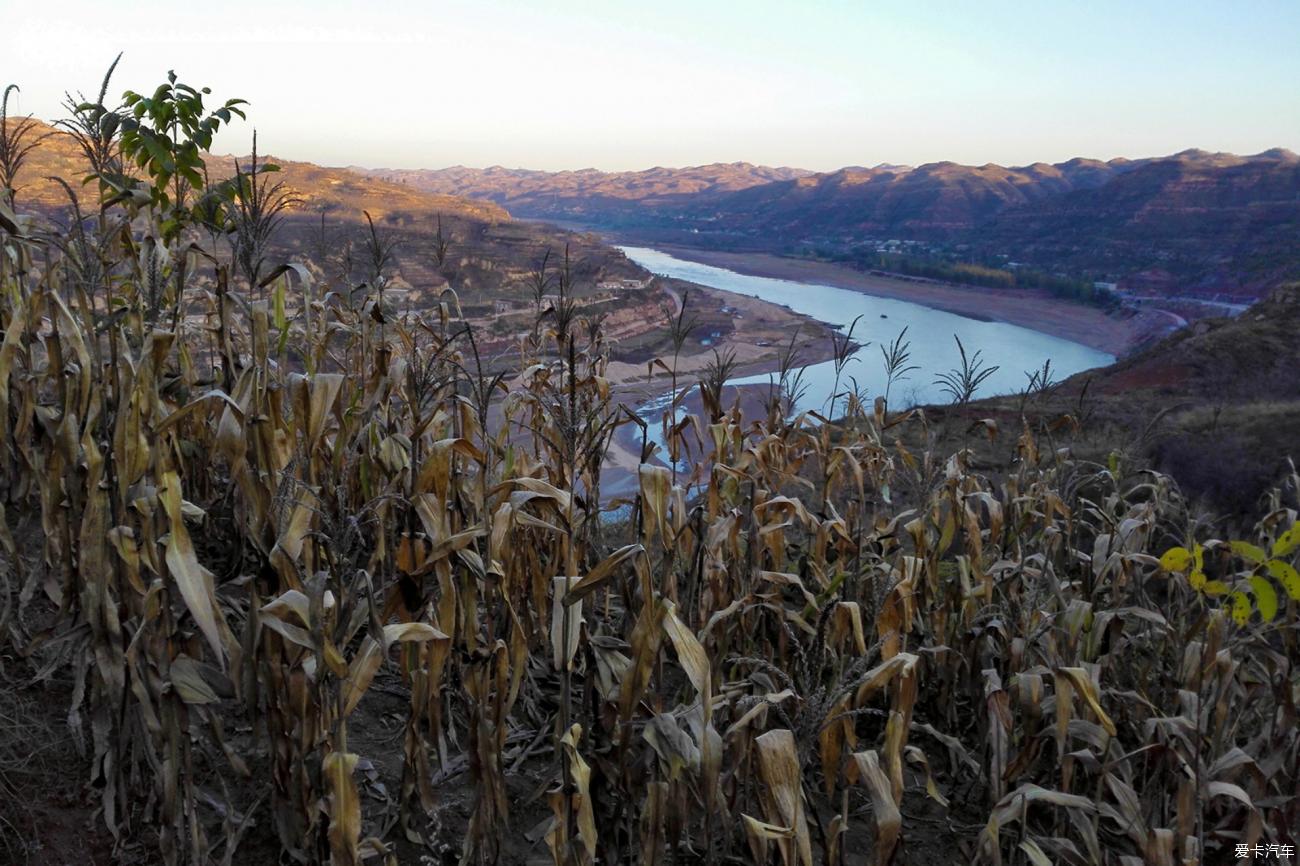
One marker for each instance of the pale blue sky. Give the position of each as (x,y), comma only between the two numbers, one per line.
(617,85)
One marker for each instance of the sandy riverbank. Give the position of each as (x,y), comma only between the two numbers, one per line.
(762,331)
(1090,326)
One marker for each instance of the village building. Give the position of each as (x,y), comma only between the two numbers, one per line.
(622,285)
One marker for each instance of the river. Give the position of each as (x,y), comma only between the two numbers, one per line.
(1013,349)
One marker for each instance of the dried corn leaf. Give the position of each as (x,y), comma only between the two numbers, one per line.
(580,775)
(690,652)
(1015,805)
(759,833)
(778,762)
(656,482)
(193,580)
(361,672)
(344,808)
(889,821)
(1083,683)
(564,644)
(189,683)
(601,574)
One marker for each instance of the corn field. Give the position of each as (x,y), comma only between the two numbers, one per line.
(241,512)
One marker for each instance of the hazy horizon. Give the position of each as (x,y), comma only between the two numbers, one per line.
(614,87)
(683,166)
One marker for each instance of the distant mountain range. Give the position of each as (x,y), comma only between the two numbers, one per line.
(588,193)
(1193,223)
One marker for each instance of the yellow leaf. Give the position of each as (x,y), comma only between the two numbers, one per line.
(289,546)
(1265,597)
(1215,587)
(1176,559)
(1287,541)
(290,632)
(1197,580)
(1288,576)
(1249,551)
(1240,608)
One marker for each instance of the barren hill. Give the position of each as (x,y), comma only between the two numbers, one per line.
(488,251)
(1215,404)
(589,194)
(319,187)
(1194,223)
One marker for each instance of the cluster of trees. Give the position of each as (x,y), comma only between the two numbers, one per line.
(974,274)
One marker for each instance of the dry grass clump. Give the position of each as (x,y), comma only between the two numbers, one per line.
(259,501)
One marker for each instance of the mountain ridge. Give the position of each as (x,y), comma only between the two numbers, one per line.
(1192,222)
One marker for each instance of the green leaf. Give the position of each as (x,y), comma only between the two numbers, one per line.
(1265,597)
